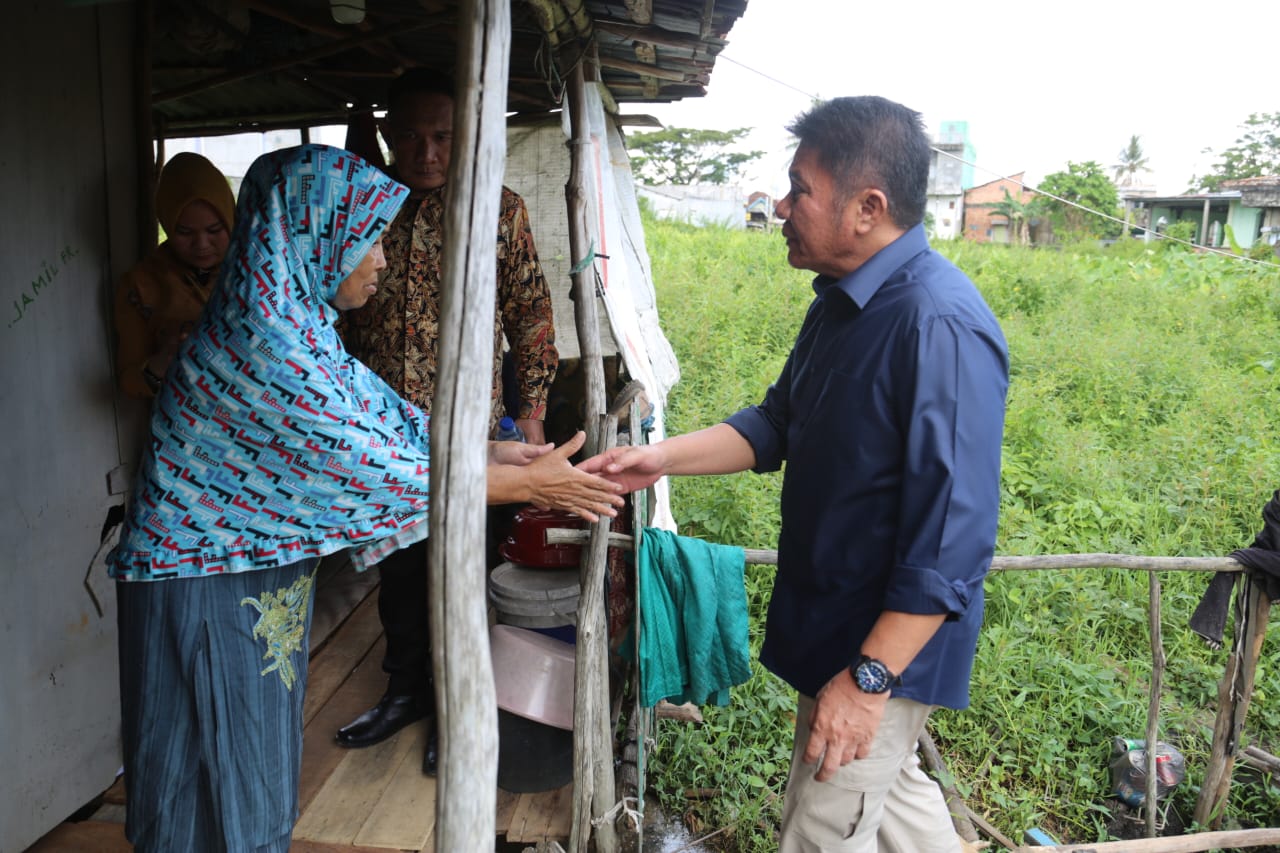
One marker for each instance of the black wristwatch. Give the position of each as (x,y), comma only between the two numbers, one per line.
(872,676)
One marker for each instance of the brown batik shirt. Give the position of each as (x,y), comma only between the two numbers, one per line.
(396,331)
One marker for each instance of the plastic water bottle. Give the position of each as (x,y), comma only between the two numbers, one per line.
(508,431)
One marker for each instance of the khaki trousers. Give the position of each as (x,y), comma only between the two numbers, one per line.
(883,803)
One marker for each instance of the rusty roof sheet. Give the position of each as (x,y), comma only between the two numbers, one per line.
(229,66)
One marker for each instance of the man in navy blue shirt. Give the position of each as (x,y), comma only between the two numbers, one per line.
(889,414)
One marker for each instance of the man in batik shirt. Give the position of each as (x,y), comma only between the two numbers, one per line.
(395,334)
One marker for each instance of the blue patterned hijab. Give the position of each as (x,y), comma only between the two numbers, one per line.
(269,443)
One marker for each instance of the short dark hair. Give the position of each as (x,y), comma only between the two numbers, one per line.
(416,81)
(872,141)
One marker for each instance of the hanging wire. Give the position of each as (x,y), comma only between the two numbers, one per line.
(782,83)
(1107,216)
(545,66)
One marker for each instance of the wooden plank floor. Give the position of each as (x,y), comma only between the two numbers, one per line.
(351,800)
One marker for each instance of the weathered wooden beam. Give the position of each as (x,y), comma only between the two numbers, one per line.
(658,36)
(643,70)
(291,60)
(647,54)
(1116,561)
(604,789)
(1133,562)
(708,19)
(1128,562)
(1234,692)
(253,123)
(545,15)
(606,97)
(593,780)
(466,701)
(561,22)
(1153,700)
(1195,843)
(582,249)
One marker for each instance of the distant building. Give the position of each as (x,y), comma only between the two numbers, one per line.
(983,221)
(948,171)
(698,204)
(1249,206)
(760,212)
(957,133)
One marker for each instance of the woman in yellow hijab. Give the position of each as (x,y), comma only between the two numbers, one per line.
(158,302)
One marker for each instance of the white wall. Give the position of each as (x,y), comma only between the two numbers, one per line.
(67,174)
(946,219)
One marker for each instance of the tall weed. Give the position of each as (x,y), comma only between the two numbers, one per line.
(1139,421)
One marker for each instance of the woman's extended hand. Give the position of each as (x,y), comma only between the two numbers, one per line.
(548,481)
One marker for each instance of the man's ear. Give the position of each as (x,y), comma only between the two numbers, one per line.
(870,207)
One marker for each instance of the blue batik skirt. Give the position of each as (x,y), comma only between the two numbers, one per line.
(212,675)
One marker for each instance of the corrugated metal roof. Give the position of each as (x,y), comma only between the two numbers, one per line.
(224,66)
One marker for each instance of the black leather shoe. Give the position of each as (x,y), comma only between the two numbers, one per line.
(390,715)
(431,755)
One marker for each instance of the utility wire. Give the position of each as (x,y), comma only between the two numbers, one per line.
(782,83)
(1107,216)
(1023,185)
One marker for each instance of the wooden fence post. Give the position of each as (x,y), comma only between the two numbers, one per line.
(581,257)
(1234,693)
(593,781)
(1151,802)
(466,793)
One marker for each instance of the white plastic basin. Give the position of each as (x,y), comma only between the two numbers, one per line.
(533,675)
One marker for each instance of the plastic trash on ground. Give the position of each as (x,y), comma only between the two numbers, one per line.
(1129,770)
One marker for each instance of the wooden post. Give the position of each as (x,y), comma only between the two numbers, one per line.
(466,793)
(593,783)
(1152,804)
(143,130)
(1234,692)
(581,246)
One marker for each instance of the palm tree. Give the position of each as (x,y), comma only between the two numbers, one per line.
(1132,161)
(1019,213)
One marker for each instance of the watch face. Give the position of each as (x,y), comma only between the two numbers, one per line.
(872,676)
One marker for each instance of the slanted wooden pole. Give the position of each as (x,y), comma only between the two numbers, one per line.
(581,250)
(593,782)
(466,793)
(1234,693)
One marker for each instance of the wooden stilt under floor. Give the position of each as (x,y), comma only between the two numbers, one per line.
(352,800)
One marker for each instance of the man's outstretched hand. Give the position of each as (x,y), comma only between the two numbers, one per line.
(632,468)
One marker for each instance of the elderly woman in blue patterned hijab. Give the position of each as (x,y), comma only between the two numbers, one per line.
(270,447)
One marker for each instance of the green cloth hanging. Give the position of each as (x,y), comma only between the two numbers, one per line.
(693,611)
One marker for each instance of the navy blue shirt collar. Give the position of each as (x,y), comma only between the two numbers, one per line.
(862,284)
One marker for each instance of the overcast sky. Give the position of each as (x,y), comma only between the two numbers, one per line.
(1039,84)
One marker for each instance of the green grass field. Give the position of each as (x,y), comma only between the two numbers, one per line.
(1140,420)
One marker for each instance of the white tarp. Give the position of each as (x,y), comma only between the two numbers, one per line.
(538,168)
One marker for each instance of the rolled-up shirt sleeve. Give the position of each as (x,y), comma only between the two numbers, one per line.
(950,495)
